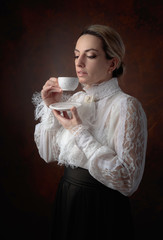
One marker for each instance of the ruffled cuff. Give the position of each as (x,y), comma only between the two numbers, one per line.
(43,113)
(78,130)
(85,141)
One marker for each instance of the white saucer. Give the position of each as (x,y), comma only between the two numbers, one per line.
(64,106)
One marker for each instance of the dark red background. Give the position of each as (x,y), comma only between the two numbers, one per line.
(37,41)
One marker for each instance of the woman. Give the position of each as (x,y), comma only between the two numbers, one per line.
(102,144)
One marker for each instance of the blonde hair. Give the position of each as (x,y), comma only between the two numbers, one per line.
(113,45)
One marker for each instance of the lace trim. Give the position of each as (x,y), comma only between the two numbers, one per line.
(105,89)
(124,171)
(78,129)
(42,111)
(121,132)
(70,154)
(39,105)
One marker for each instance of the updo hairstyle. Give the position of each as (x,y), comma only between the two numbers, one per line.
(112,44)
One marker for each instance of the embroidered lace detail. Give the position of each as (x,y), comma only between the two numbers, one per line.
(45,130)
(70,154)
(124,172)
(42,112)
(105,89)
(78,129)
(38,103)
(110,142)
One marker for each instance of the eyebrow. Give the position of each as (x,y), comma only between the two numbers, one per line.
(90,49)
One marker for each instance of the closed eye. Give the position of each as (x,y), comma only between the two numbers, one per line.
(91,57)
(76,57)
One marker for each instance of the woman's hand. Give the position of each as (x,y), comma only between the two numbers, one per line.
(51,92)
(66,121)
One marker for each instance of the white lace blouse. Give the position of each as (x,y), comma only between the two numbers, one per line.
(110,142)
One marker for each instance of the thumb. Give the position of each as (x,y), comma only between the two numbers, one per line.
(75,115)
(74,112)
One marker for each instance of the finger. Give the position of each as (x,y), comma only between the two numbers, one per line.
(74,112)
(45,90)
(52,81)
(65,114)
(49,89)
(75,115)
(56,90)
(61,117)
(58,115)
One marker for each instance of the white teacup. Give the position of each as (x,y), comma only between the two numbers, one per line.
(68,83)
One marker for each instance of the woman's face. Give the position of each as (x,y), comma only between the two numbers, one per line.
(90,61)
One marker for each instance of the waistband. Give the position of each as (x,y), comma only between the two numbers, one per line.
(81,176)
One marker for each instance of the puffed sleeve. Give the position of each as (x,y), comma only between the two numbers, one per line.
(120,168)
(46,130)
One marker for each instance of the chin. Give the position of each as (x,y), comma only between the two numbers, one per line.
(82,80)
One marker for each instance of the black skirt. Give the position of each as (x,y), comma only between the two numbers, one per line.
(86,209)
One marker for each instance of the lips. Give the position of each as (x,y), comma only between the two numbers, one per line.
(81,73)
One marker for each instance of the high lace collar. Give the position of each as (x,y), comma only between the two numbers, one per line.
(104,89)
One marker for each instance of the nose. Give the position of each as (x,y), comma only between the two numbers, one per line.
(80,62)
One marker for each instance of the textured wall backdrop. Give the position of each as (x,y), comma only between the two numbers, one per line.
(37,41)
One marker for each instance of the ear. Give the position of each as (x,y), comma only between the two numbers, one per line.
(113,64)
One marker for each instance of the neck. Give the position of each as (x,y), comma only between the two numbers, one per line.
(87,86)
